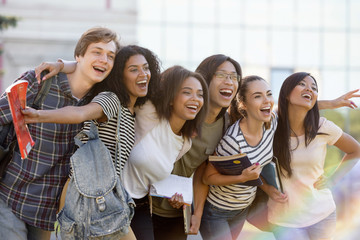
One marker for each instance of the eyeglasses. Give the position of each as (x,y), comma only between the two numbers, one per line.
(232,76)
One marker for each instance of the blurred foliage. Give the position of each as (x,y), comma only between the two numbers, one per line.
(334,155)
(6,21)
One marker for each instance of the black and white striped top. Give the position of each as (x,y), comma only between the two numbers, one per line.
(237,196)
(107,130)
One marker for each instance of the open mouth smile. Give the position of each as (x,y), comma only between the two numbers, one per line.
(307,96)
(226,92)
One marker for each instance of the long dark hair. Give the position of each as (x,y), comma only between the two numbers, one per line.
(115,81)
(282,148)
(208,67)
(170,84)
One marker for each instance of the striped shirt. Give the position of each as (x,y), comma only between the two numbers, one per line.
(32,187)
(237,196)
(109,102)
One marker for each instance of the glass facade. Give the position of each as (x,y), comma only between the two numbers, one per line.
(272,39)
(304,35)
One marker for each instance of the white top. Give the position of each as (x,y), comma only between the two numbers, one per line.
(306,205)
(238,196)
(153,156)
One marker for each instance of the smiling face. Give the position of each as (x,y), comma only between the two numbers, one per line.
(188,101)
(304,94)
(223,90)
(97,61)
(259,101)
(136,76)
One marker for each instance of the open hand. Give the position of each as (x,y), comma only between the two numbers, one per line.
(176,201)
(252,172)
(53,68)
(345,100)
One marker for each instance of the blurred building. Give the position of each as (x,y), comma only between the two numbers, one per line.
(48,30)
(269,38)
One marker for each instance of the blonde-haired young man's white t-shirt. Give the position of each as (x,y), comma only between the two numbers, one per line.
(306,205)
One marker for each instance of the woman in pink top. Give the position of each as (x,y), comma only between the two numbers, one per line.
(300,145)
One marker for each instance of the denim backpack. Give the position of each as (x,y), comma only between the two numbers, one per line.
(96,205)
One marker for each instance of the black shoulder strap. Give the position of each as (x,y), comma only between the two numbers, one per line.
(4,131)
(40,97)
(226,122)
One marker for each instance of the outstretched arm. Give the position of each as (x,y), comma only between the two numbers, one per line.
(54,68)
(69,114)
(342,101)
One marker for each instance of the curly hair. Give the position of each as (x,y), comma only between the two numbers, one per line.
(115,81)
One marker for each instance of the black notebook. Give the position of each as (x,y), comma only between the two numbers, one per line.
(233,165)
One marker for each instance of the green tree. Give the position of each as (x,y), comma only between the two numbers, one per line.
(6,22)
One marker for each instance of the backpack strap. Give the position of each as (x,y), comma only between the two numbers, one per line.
(4,131)
(226,122)
(118,145)
(44,90)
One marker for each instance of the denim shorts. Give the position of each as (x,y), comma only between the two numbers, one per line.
(323,229)
(218,223)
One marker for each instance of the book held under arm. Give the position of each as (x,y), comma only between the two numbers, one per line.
(271,174)
(233,165)
(187,218)
(173,184)
(16,95)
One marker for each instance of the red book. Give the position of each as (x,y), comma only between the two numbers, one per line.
(16,94)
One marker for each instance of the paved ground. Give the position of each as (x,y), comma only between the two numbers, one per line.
(347,198)
(248,233)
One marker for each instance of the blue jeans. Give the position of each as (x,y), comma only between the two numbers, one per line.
(324,229)
(12,227)
(217,223)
